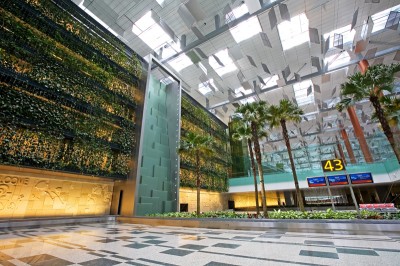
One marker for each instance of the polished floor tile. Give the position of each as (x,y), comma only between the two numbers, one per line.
(133,244)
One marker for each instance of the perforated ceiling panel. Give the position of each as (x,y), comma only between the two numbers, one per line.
(202,28)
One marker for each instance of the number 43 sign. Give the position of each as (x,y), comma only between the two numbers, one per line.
(332,165)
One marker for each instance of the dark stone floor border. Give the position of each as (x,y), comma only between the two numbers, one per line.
(368,227)
(50,221)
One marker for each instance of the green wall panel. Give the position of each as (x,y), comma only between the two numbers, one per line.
(157,190)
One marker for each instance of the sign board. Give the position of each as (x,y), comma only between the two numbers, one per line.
(333,165)
(337,180)
(361,178)
(316,181)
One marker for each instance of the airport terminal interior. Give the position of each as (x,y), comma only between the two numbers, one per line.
(115,114)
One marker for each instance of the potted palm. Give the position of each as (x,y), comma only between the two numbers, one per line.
(278,115)
(198,146)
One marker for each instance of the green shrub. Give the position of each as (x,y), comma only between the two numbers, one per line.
(278,214)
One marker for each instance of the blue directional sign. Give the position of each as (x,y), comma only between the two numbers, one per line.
(361,178)
(316,181)
(336,180)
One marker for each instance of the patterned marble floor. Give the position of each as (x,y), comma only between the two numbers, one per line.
(129,244)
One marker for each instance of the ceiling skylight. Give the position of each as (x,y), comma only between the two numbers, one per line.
(180,62)
(246,29)
(270,82)
(348,35)
(150,32)
(294,32)
(380,18)
(97,18)
(227,64)
(310,116)
(170,49)
(241,91)
(236,13)
(337,59)
(205,87)
(304,92)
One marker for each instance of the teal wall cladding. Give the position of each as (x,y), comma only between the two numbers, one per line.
(158,170)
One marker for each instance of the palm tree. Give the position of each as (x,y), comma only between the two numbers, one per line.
(370,86)
(391,107)
(198,146)
(278,115)
(243,132)
(254,114)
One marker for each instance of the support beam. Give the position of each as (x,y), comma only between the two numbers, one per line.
(223,29)
(347,143)
(312,75)
(358,132)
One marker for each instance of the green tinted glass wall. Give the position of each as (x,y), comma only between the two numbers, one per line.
(158,176)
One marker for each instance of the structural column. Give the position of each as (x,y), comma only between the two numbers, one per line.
(347,143)
(341,153)
(358,132)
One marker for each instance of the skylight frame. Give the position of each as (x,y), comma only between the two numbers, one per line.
(294,32)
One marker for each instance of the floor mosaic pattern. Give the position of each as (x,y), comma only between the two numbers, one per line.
(104,244)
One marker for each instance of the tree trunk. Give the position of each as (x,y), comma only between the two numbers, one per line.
(253,167)
(385,125)
(296,181)
(198,182)
(257,151)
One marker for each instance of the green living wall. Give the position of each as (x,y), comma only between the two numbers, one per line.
(216,170)
(68,90)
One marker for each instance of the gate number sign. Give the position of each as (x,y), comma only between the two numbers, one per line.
(332,165)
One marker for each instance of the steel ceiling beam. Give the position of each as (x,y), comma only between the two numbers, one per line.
(222,30)
(312,75)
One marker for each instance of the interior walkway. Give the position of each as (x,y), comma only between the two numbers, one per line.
(129,244)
